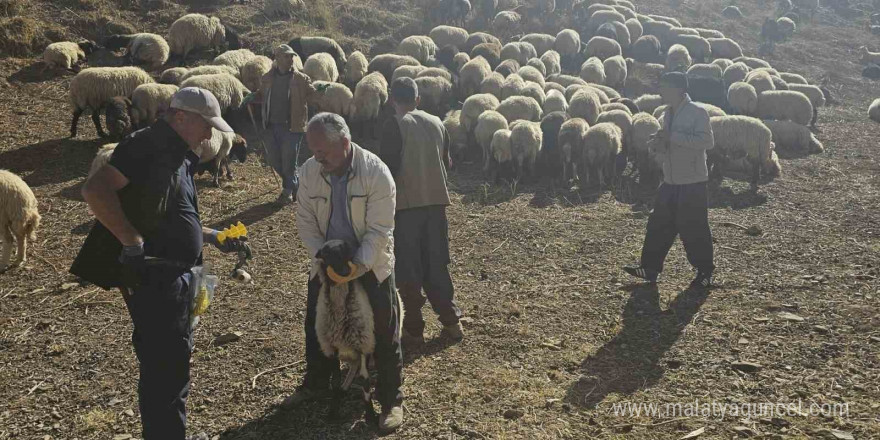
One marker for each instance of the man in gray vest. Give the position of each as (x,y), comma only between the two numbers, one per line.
(415,146)
(681,205)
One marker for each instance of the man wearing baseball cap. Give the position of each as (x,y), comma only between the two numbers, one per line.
(147,239)
(681,204)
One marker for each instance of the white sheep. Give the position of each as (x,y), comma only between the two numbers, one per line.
(228,90)
(321,67)
(195,31)
(420,47)
(548,86)
(635,29)
(535,92)
(593,71)
(143,48)
(737,72)
(214,153)
(602,144)
(539,66)
(705,71)
(568,43)
(753,63)
(335,98)
(67,55)
(724,48)
(526,140)
(585,104)
(785,105)
(615,72)
(615,106)
(678,58)
(435,94)
(234,58)
(531,74)
(449,36)
(566,80)
(552,61)
(745,137)
(477,38)
(407,72)
(473,107)
(709,33)
(786,27)
(874,110)
(541,42)
(173,75)
(370,94)
(742,98)
(817,98)
(19,218)
(643,75)
(102,157)
(711,109)
(555,102)
(622,33)
(488,123)
(472,75)
(645,159)
(792,78)
(208,70)
(520,107)
(490,51)
(459,60)
(506,23)
(670,20)
(458,137)
(92,88)
(571,146)
(723,63)
(355,68)
(387,63)
(438,72)
(252,71)
(520,51)
(791,136)
(501,153)
(150,100)
(623,120)
(648,103)
(601,17)
(602,48)
(760,80)
(494,85)
(571,90)
(308,46)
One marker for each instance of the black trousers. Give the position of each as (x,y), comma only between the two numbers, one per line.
(679,210)
(388,353)
(421,254)
(162,341)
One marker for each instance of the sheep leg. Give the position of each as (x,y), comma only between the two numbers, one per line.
(756,176)
(96,118)
(349,377)
(21,257)
(815,116)
(76,115)
(225,163)
(6,254)
(601,177)
(215,168)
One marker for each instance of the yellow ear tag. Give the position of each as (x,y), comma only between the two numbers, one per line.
(339,279)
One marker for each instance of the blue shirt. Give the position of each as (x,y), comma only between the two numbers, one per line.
(340,225)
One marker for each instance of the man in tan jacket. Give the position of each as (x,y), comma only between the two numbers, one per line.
(285,92)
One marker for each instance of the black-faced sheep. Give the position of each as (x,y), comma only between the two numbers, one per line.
(67,55)
(93,88)
(19,218)
(150,50)
(117,113)
(308,46)
(214,154)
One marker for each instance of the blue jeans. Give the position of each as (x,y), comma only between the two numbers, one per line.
(282,149)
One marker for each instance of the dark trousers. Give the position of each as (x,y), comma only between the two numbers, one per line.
(282,149)
(388,354)
(163,342)
(421,254)
(679,210)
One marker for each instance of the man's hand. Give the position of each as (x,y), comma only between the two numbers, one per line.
(355,272)
(228,245)
(133,265)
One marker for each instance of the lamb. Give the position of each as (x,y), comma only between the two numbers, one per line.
(477,38)
(501,151)
(388,62)
(173,75)
(145,49)
(195,31)
(541,42)
(234,58)
(526,139)
(214,154)
(228,90)
(552,61)
(623,120)
(93,88)
(321,67)
(420,47)
(520,107)
(148,101)
(735,73)
(68,55)
(615,72)
(790,136)
(571,147)
(335,98)
(493,85)
(435,94)
(785,105)
(705,71)
(308,46)
(743,98)
(874,111)
(550,158)
(472,75)
(697,46)
(593,71)
(520,51)
(473,107)
(19,218)
(743,136)
(817,98)
(645,159)
(568,43)
(646,49)
(252,72)
(117,114)
(602,145)
(487,124)
(649,103)
(585,105)
(724,48)
(370,94)
(506,23)
(603,48)
(678,58)
(555,102)
(208,70)
(531,74)
(786,27)
(490,51)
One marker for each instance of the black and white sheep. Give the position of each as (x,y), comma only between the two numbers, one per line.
(214,154)
(68,55)
(146,49)
(19,219)
(308,46)
(93,88)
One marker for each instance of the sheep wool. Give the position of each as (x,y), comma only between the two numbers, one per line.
(649,103)
(593,71)
(874,111)
(282,8)
(786,27)
(477,38)
(743,98)
(387,63)
(539,66)
(493,85)
(566,80)
(790,136)
(407,72)
(252,71)
(102,157)
(602,143)
(602,48)
(697,46)
(817,98)
(459,60)
(64,54)
(173,75)
(472,75)
(308,46)
(622,120)
(568,43)
(723,63)
(370,95)
(520,107)
(735,73)
(526,139)
(474,106)
(117,113)
(534,91)
(148,101)
(501,147)
(92,88)
(506,23)
(601,17)
(149,49)
(724,48)
(355,68)
(785,105)
(449,36)
(336,98)
(321,67)
(541,42)
(646,49)
(435,93)
(531,74)
(228,90)
(436,72)
(753,63)
(209,70)
(571,145)
(548,86)
(195,31)
(792,78)
(555,102)
(706,71)
(552,61)
(585,104)
(737,136)
(678,58)
(520,51)
(19,218)
(615,106)
(420,47)
(487,124)
(234,58)
(635,29)
(615,72)
(458,138)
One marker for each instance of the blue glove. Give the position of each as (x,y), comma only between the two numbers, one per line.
(133,266)
(228,245)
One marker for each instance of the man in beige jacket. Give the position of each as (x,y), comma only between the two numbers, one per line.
(285,92)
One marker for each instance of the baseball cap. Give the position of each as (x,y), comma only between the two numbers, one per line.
(675,80)
(203,103)
(284,50)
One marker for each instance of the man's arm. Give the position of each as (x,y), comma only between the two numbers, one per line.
(307,220)
(100,192)
(391,145)
(697,135)
(380,220)
(444,155)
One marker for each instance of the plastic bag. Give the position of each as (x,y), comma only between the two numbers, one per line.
(201,292)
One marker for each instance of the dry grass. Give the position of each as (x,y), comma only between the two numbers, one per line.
(97,421)
(20,36)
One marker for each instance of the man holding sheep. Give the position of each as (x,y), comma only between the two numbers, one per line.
(284,91)
(415,146)
(347,193)
(681,204)
(147,239)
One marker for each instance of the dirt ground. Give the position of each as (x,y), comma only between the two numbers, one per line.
(557,337)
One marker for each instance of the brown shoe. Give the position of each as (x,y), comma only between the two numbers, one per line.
(410,340)
(391,420)
(453,331)
(301,395)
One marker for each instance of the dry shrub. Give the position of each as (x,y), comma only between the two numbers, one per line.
(97,420)
(12,8)
(282,8)
(23,36)
(319,14)
(95,26)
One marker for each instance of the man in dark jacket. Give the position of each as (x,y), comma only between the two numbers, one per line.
(681,205)
(415,146)
(146,198)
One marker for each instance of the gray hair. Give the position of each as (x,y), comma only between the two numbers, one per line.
(332,125)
